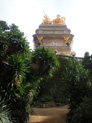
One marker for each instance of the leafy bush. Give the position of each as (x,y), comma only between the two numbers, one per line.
(56,85)
(5,116)
(78,89)
(21,70)
(46,98)
(83,112)
(43,60)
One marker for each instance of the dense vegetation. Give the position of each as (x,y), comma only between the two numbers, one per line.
(20,73)
(54,87)
(25,74)
(70,84)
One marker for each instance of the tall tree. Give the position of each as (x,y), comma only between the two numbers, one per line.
(18,77)
(13,50)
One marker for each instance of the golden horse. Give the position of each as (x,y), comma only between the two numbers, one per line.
(46,20)
(59,20)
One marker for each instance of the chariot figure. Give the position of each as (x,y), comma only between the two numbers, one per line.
(46,20)
(59,20)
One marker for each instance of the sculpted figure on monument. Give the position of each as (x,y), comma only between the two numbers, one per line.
(66,38)
(46,20)
(40,38)
(59,20)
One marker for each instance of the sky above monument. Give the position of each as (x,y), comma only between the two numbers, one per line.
(28,15)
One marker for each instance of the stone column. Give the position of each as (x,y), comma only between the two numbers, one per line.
(56,37)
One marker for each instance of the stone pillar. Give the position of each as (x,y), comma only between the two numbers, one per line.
(56,37)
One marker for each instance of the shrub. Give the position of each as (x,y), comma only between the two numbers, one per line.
(5,116)
(46,98)
(83,112)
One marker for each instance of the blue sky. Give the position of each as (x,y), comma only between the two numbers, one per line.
(28,15)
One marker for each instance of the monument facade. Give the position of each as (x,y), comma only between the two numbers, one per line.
(54,35)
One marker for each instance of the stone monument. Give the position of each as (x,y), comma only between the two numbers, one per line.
(54,35)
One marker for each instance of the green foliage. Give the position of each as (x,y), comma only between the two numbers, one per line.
(11,42)
(46,98)
(78,89)
(5,116)
(14,60)
(58,85)
(81,94)
(54,85)
(18,108)
(42,99)
(43,60)
(83,112)
(76,77)
(87,62)
(21,70)
(3,26)
(69,83)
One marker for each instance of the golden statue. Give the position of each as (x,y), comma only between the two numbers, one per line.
(46,20)
(40,38)
(66,39)
(59,20)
